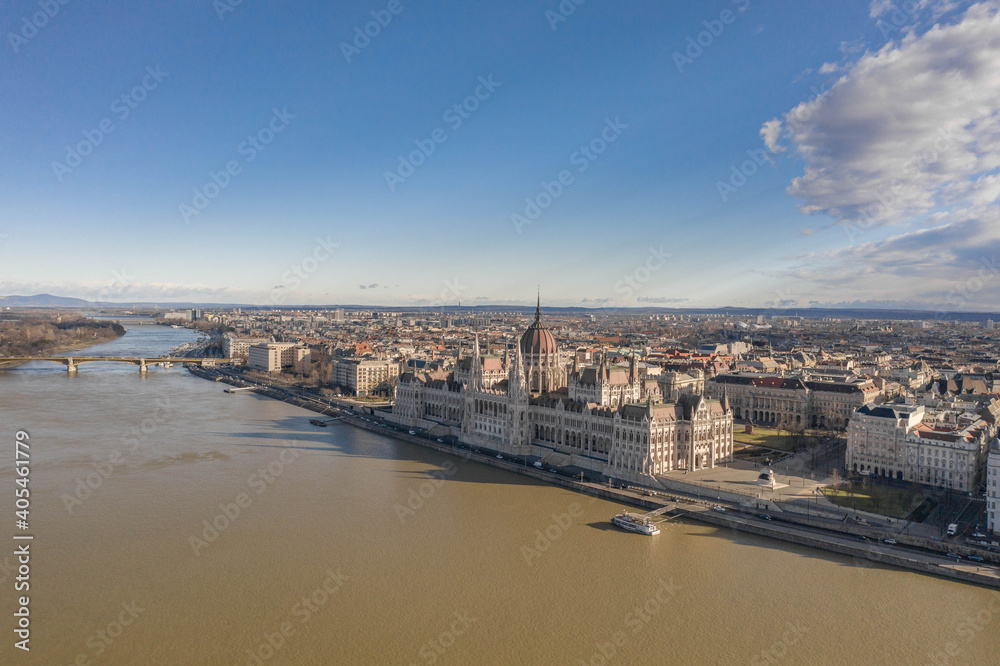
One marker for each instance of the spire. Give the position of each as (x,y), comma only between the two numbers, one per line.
(476,366)
(538,307)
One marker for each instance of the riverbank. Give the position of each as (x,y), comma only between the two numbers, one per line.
(799,530)
(59,350)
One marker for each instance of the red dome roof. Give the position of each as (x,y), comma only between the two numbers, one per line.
(538,339)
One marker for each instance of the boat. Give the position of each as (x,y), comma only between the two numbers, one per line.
(635,523)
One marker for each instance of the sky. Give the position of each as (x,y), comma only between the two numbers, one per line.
(393,152)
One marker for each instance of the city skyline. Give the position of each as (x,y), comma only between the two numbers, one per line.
(737,154)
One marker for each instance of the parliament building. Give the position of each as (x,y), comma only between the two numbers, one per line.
(530,402)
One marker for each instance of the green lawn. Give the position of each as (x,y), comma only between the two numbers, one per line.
(771,438)
(893,502)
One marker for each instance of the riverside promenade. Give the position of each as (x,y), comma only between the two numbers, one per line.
(863,543)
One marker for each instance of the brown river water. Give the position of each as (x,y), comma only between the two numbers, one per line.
(177,524)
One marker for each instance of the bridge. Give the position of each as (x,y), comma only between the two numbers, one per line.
(71,362)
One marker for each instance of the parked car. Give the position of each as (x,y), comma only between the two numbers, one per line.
(978,535)
(720,509)
(862,537)
(975,558)
(953,556)
(891,542)
(764,516)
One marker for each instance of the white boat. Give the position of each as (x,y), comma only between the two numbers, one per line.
(635,523)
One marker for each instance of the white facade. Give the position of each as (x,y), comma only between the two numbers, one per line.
(273,356)
(993,489)
(876,440)
(238,349)
(620,438)
(942,449)
(364,377)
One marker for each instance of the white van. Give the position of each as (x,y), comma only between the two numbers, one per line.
(953,529)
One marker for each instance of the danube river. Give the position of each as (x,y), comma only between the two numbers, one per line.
(177,524)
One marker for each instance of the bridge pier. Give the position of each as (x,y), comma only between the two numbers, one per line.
(70,366)
(142,366)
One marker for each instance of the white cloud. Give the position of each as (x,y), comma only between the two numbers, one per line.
(770,133)
(954,265)
(879,8)
(909,131)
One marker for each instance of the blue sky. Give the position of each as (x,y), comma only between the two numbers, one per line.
(310,215)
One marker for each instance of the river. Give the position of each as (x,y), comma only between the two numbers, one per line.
(178,524)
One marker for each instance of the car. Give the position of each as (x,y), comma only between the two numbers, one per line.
(862,537)
(975,558)
(891,542)
(412,432)
(764,516)
(720,509)
(440,441)
(978,535)
(953,556)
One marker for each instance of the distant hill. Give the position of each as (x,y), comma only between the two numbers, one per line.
(50,301)
(42,301)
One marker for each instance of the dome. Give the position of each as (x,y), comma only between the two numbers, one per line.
(538,339)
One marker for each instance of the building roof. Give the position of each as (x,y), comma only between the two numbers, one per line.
(538,339)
